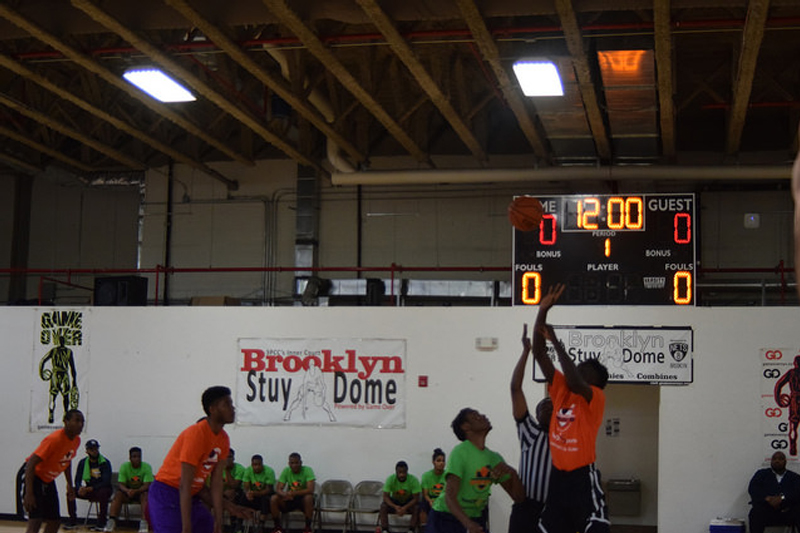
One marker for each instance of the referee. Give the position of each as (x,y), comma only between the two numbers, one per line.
(534,463)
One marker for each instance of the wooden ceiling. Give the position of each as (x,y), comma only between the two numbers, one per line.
(335,83)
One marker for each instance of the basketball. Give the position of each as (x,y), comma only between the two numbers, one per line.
(525,213)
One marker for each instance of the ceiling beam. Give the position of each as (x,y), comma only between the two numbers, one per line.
(663,42)
(752,36)
(301,105)
(173,67)
(572,36)
(403,51)
(22,70)
(46,150)
(19,164)
(290,19)
(46,120)
(489,51)
(83,60)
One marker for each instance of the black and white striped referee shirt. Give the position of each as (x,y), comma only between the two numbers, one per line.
(534,463)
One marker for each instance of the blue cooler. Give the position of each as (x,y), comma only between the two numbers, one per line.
(726,525)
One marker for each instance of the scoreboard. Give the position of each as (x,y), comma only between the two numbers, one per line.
(610,250)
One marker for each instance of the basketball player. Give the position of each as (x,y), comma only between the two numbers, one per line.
(176,497)
(576,501)
(52,457)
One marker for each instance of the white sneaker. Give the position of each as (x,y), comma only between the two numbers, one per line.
(143,528)
(110,526)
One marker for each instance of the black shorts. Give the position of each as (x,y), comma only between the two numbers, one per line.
(46,495)
(295,504)
(575,502)
(525,516)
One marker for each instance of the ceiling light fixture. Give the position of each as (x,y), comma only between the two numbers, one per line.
(158,85)
(538,77)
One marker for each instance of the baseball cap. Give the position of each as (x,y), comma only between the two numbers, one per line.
(91,443)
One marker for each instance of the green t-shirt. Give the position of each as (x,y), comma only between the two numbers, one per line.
(473,467)
(433,483)
(133,478)
(299,481)
(238,474)
(401,492)
(259,481)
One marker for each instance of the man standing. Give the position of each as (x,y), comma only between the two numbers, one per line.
(471,470)
(92,483)
(52,457)
(294,492)
(135,478)
(775,496)
(175,498)
(576,501)
(535,465)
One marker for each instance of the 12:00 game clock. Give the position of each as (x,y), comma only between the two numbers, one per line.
(609,250)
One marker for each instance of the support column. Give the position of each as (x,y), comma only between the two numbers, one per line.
(20,238)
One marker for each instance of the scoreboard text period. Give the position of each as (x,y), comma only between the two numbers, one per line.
(610,249)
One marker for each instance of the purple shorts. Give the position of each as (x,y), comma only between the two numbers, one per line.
(164,508)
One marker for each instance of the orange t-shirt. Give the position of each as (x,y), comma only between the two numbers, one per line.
(56,451)
(574,426)
(197,445)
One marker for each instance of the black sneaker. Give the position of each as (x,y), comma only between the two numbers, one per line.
(69,526)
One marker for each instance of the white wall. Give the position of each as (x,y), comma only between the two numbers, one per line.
(149,365)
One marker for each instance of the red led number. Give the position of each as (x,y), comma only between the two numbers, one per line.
(547,220)
(682,224)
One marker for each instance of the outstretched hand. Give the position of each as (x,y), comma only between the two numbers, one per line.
(552,295)
(526,341)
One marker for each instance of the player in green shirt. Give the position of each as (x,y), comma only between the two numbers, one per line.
(257,486)
(134,479)
(232,476)
(294,491)
(400,496)
(471,470)
(432,483)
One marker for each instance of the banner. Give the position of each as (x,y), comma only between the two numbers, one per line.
(632,354)
(780,401)
(60,365)
(337,382)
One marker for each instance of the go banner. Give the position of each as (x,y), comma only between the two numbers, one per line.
(338,382)
(780,401)
(59,368)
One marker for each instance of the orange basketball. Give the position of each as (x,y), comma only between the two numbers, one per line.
(525,213)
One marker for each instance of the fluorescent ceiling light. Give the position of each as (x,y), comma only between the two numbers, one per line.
(538,77)
(158,85)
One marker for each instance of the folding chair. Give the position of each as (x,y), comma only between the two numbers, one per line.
(334,500)
(366,500)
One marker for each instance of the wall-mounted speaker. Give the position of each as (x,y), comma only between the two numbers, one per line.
(120,290)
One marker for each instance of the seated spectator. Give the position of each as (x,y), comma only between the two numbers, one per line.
(400,496)
(134,479)
(294,492)
(775,496)
(92,483)
(432,483)
(257,486)
(231,478)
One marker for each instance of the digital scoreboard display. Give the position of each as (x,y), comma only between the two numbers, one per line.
(609,250)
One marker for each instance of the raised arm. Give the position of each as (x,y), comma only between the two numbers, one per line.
(519,406)
(539,346)
(575,381)
(796,195)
